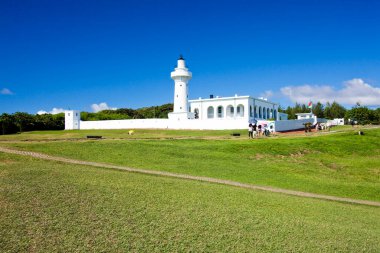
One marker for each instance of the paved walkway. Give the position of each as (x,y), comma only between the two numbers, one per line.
(189,177)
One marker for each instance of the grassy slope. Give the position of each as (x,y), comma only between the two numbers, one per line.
(340,164)
(120,133)
(49,206)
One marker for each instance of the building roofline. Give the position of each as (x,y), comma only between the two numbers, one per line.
(227,98)
(304,113)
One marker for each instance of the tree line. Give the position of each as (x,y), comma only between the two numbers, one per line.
(359,113)
(21,121)
(127,113)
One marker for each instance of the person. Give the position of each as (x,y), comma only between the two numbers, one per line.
(271,130)
(250,131)
(328,126)
(259,130)
(266,131)
(254,130)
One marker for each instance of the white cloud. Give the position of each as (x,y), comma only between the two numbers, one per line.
(267,94)
(6,91)
(53,111)
(101,107)
(40,112)
(353,91)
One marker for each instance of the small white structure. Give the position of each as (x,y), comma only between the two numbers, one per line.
(72,120)
(336,122)
(211,113)
(311,116)
(305,115)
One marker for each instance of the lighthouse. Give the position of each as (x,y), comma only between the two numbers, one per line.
(181,76)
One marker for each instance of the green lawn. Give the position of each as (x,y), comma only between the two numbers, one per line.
(121,134)
(138,134)
(54,207)
(341,164)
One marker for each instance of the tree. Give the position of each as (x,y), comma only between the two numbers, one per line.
(23,120)
(6,121)
(290,111)
(376,116)
(361,114)
(337,111)
(318,110)
(327,111)
(280,109)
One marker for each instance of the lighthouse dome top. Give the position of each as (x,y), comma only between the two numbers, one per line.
(181,70)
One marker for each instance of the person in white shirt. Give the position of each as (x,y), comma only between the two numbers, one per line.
(250,131)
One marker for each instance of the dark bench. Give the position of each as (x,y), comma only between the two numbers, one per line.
(94,137)
(235,134)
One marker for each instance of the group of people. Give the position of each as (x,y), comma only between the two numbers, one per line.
(323,126)
(257,130)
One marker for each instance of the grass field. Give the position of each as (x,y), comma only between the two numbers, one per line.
(49,207)
(120,134)
(139,134)
(340,164)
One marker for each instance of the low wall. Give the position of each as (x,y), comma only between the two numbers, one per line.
(210,124)
(287,125)
(125,124)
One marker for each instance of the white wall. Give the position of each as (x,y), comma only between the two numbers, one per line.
(210,124)
(282,116)
(125,124)
(216,124)
(286,125)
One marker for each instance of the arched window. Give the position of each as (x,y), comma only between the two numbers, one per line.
(264,113)
(268,113)
(260,113)
(255,111)
(250,111)
(240,110)
(230,111)
(275,114)
(220,112)
(210,112)
(196,113)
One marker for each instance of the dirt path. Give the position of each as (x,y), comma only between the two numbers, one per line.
(189,177)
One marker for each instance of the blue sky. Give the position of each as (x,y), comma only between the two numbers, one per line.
(73,54)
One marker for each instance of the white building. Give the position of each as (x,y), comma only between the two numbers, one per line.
(223,108)
(72,120)
(310,115)
(231,108)
(211,113)
(336,122)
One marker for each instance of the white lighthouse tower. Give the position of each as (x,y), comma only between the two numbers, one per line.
(181,76)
